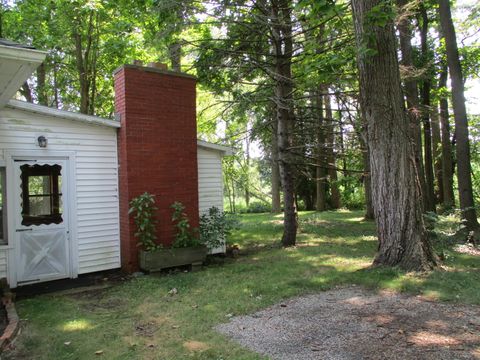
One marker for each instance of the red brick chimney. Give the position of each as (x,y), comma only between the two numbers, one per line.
(157,148)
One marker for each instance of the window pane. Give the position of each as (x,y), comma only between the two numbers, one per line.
(41,194)
(39,185)
(40,205)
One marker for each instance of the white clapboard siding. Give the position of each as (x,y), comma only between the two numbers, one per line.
(210,179)
(3,264)
(210,183)
(96,172)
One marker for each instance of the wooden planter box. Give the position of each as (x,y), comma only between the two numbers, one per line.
(167,258)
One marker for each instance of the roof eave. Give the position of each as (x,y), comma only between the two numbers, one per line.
(225,150)
(68,115)
(22,54)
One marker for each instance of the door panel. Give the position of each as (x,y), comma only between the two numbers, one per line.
(42,254)
(41,216)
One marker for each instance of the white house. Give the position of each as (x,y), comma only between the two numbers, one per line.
(64,197)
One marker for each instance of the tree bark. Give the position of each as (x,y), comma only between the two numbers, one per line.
(367,179)
(81,69)
(56,99)
(447,152)
(283,50)
(246,185)
(85,62)
(26,92)
(367,184)
(320,170)
(437,154)
(41,85)
(276,206)
(427,129)
(464,172)
(412,96)
(331,159)
(175,53)
(403,239)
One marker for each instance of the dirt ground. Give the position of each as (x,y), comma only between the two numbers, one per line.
(353,323)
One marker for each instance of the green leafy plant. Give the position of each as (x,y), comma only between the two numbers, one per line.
(185,236)
(216,226)
(143,209)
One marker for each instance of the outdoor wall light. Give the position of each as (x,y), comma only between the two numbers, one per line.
(42,141)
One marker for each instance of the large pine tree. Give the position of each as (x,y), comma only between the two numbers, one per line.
(403,240)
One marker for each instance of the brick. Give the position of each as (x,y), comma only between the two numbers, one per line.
(157,146)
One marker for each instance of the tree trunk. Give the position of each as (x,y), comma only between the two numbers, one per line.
(229,196)
(283,50)
(26,92)
(41,85)
(320,170)
(367,179)
(83,60)
(403,239)
(175,52)
(367,184)
(447,153)
(82,73)
(276,206)
(427,129)
(56,99)
(246,185)
(331,160)
(175,48)
(233,195)
(412,97)
(437,154)
(464,172)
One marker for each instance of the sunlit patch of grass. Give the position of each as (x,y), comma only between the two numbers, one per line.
(77,325)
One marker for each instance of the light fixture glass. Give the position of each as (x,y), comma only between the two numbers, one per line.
(42,141)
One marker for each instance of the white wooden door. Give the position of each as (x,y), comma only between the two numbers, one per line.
(41,218)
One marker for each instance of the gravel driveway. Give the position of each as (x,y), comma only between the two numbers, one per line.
(353,323)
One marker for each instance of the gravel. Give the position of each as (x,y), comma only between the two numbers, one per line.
(353,323)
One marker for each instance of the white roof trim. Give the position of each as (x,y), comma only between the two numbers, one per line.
(210,146)
(68,115)
(17,66)
(23,54)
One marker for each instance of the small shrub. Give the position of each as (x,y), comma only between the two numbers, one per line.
(143,209)
(353,200)
(258,207)
(216,226)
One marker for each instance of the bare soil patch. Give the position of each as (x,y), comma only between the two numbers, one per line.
(353,323)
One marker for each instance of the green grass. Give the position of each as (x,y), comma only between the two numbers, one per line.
(140,320)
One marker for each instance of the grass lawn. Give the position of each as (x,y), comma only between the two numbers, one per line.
(140,320)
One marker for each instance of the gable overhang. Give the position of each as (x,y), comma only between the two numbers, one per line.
(16,66)
(224,150)
(62,114)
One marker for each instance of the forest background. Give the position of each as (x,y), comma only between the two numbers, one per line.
(262,65)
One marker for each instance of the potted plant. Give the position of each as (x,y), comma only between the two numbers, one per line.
(186,249)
